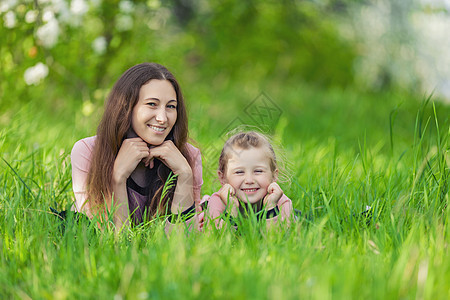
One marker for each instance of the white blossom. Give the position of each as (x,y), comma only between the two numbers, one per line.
(124,23)
(6,5)
(31,16)
(48,15)
(48,33)
(126,6)
(34,75)
(79,7)
(61,8)
(57,5)
(99,45)
(10,19)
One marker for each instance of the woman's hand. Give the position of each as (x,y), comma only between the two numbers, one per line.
(228,196)
(171,156)
(131,153)
(274,193)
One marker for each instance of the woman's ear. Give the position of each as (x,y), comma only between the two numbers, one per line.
(275,175)
(221,177)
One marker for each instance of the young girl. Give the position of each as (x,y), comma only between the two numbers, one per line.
(140,140)
(248,173)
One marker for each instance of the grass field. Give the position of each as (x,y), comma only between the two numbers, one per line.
(343,151)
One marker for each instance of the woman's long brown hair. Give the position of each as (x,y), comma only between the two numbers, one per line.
(112,130)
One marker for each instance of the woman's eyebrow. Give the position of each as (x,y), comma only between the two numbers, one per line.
(156,99)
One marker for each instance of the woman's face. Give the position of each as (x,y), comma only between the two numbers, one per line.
(155,113)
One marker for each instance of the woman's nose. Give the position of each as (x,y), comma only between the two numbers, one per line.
(161,116)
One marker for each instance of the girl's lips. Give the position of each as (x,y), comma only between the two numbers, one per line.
(250,191)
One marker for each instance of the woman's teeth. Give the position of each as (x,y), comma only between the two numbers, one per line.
(160,129)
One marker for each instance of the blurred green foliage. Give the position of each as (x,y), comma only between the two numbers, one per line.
(241,40)
(281,40)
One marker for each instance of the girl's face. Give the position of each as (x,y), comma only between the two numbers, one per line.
(248,172)
(155,113)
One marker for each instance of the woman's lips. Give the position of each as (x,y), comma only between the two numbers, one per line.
(157,129)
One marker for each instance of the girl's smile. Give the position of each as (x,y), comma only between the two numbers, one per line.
(250,191)
(249,173)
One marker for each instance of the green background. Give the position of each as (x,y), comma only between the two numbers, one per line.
(342,146)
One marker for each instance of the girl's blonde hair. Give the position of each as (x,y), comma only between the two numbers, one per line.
(246,140)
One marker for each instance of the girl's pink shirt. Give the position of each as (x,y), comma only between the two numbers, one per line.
(81,160)
(216,207)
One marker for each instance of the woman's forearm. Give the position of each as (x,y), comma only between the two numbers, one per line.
(184,193)
(120,205)
(182,200)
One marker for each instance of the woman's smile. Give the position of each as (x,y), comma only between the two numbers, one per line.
(157,129)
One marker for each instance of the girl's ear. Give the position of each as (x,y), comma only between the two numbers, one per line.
(221,177)
(275,175)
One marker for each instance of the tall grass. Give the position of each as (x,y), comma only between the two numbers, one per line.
(399,166)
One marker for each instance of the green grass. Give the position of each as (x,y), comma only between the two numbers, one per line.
(344,150)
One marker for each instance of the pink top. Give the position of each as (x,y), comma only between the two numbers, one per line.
(216,208)
(137,196)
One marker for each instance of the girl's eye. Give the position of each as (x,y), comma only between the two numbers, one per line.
(239,172)
(258,171)
(172,106)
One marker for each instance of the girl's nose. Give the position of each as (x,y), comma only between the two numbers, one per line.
(249,179)
(161,116)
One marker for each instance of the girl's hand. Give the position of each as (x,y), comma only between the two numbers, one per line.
(131,153)
(171,156)
(228,196)
(274,193)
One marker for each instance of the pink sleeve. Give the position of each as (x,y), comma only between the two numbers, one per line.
(215,209)
(286,211)
(81,161)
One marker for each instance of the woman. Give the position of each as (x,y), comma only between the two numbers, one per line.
(140,140)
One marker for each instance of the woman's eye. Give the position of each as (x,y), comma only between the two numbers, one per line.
(151,104)
(172,106)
